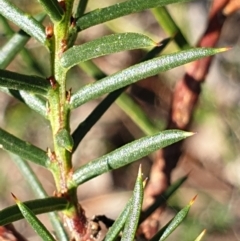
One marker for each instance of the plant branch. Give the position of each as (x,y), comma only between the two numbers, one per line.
(9,230)
(58,114)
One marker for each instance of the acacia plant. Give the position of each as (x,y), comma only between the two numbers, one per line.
(50,98)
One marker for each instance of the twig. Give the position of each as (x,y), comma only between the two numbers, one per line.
(184,101)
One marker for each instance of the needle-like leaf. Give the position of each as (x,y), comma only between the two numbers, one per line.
(53,9)
(166,22)
(162,198)
(23,20)
(38,227)
(118,224)
(38,206)
(174,223)
(23,149)
(81,7)
(15,44)
(105,45)
(200,236)
(138,72)
(118,10)
(131,224)
(120,221)
(12,47)
(177,220)
(34,102)
(33,84)
(128,154)
(90,68)
(39,192)
(7,54)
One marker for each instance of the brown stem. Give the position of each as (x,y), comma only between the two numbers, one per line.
(9,233)
(184,101)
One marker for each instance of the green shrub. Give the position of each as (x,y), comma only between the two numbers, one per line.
(50,97)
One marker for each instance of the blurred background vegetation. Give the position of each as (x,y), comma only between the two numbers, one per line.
(211,158)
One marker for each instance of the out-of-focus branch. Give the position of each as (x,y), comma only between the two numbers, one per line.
(184,100)
(231,7)
(9,233)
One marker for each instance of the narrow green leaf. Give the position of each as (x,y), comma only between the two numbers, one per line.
(170,27)
(30,176)
(139,71)
(118,224)
(158,235)
(23,149)
(177,220)
(53,9)
(102,15)
(128,154)
(64,139)
(12,47)
(96,114)
(162,198)
(37,226)
(156,50)
(39,206)
(34,102)
(81,7)
(200,236)
(134,111)
(39,192)
(5,25)
(105,45)
(7,53)
(173,224)
(33,84)
(23,20)
(15,44)
(90,68)
(131,224)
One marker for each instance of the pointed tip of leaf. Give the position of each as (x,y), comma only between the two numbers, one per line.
(188,134)
(193,200)
(140,171)
(15,198)
(220,50)
(145,182)
(200,236)
(158,44)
